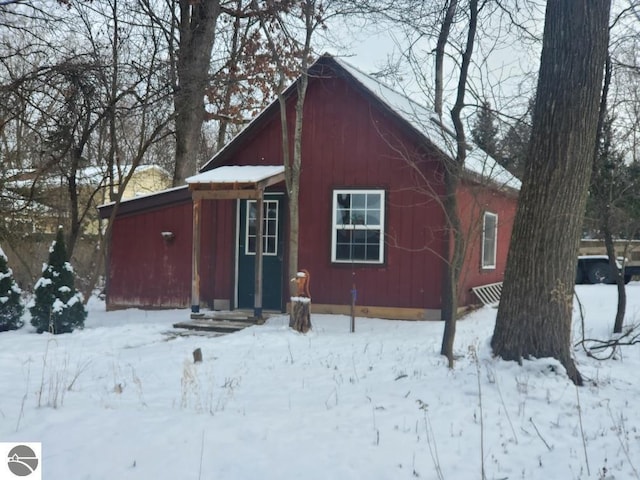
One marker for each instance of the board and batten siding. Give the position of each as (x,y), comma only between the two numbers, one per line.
(145,269)
(348,143)
(473,201)
(148,271)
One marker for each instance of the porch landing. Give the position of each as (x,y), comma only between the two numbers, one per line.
(221,322)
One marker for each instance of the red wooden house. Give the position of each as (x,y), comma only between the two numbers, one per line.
(370,212)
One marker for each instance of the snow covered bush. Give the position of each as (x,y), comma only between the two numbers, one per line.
(57,306)
(11,305)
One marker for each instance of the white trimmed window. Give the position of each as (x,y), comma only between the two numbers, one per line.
(358,226)
(489,240)
(269,227)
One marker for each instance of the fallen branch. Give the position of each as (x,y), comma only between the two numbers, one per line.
(594,346)
(539,434)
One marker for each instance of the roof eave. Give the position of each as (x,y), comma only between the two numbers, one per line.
(146,202)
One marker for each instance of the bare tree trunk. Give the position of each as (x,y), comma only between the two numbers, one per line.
(293,176)
(76,153)
(112,157)
(292,171)
(311,14)
(232,62)
(443,37)
(534,316)
(197,33)
(74,229)
(606,203)
(143,146)
(453,171)
(619,278)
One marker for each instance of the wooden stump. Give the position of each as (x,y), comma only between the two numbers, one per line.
(300,317)
(197,355)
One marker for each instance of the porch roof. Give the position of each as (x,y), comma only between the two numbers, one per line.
(235,181)
(231,182)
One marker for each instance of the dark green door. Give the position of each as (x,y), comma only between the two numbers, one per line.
(272,253)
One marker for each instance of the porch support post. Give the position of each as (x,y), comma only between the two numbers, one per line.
(257,302)
(195,256)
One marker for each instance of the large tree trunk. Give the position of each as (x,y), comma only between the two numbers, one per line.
(197,32)
(534,317)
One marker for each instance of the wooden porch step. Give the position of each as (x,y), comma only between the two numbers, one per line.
(218,325)
(235,316)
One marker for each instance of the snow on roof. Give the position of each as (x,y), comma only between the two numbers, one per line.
(99,172)
(146,195)
(14,172)
(427,124)
(158,168)
(228,174)
(424,121)
(237,174)
(93,175)
(14,201)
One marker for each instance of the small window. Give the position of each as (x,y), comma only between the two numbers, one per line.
(269,227)
(358,226)
(489,240)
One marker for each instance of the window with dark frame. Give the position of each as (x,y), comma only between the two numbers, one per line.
(489,240)
(358,226)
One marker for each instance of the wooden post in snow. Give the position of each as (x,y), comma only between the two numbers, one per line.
(354,294)
(195,256)
(257,299)
(300,315)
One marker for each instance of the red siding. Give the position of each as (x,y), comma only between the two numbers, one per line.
(218,251)
(359,147)
(348,142)
(473,202)
(144,269)
(147,271)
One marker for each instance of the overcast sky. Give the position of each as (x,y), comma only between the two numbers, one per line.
(505,59)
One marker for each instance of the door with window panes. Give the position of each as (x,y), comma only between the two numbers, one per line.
(272,246)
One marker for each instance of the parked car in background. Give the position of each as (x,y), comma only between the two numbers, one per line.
(593,262)
(596,269)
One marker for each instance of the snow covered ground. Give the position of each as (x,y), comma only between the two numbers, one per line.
(122,399)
